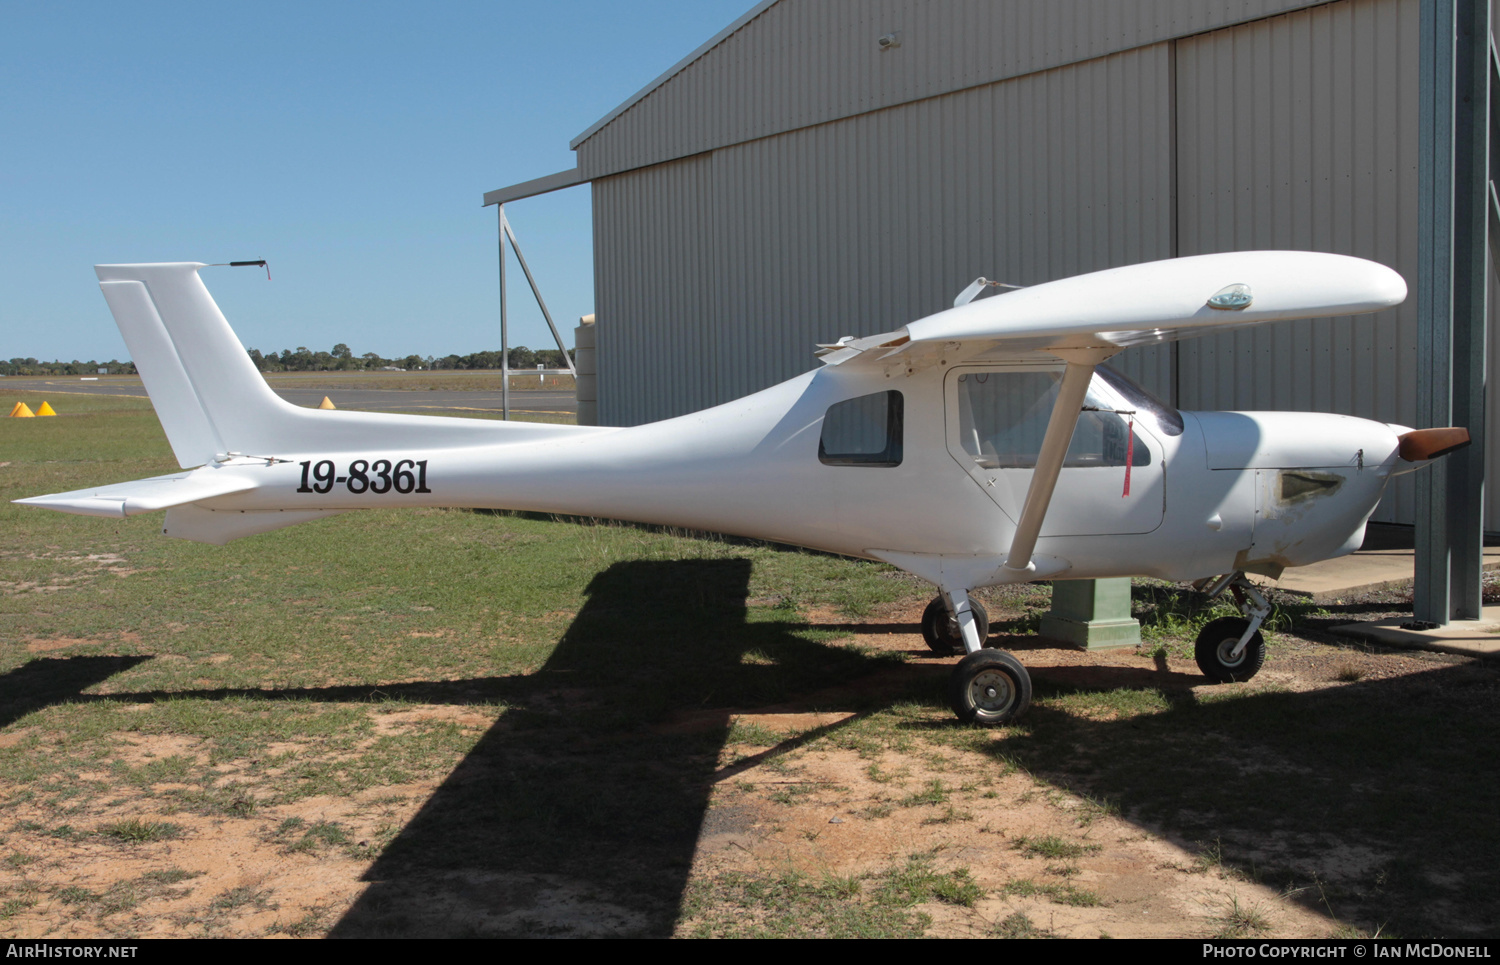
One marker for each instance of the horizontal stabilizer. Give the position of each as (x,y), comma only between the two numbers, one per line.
(218,527)
(143,495)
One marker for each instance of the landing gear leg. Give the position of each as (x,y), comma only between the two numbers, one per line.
(1231,649)
(962,609)
(988,687)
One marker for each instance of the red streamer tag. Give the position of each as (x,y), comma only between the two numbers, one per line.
(1129,453)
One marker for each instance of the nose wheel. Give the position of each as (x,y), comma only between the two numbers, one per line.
(989,687)
(1230,649)
(1221,657)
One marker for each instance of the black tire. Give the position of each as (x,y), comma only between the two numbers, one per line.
(941,631)
(989,687)
(1216,641)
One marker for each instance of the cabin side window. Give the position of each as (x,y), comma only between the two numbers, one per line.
(1003,419)
(863,432)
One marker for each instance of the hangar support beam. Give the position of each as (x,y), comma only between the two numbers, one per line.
(1453,216)
(499,197)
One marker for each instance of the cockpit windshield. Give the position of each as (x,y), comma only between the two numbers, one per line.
(1167,419)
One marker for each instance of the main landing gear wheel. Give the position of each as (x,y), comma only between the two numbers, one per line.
(1216,643)
(941,631)
(989,687)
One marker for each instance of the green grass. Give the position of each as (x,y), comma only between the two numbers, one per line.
(311,925)
(299,837)
(1018,925)
(936,792)
(1241,920)
(129,894)
(1171,615)
(756,735)
(918,881)
(1053,847)
(242,897)
(140,831)
(882,904)
(1061,893)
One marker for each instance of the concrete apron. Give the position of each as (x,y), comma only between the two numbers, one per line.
(1472,638)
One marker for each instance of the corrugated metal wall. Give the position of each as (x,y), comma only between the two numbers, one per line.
(658,320)
(1300,131)
(804,63)
(715,275)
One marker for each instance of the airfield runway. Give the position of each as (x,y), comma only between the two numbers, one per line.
(310,390)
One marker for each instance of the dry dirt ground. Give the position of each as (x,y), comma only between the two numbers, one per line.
(1035,859)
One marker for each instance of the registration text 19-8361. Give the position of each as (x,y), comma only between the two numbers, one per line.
(381,476)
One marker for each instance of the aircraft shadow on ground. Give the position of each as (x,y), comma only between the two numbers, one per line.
(579,812)
(55,680)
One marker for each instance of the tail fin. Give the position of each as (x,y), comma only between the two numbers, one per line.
(151,304)
(213,402)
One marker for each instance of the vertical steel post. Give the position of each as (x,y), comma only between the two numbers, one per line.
(504,332)
(1434,300)
(1453,266)
(1471,130)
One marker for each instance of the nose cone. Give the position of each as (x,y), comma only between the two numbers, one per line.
(1294,440)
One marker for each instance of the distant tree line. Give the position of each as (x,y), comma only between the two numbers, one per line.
(75,367)
(342,359)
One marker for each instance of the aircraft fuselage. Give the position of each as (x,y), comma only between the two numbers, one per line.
(1210,492)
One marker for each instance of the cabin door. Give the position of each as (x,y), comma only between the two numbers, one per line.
(1113,480)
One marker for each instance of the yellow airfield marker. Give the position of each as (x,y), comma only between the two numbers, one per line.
(327,403)
(22,411)
(46,409)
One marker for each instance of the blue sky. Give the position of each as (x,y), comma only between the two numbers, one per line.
(347,143)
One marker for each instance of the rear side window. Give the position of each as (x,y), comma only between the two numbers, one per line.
(863,432)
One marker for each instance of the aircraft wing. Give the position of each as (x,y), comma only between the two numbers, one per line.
(144,495)
(1142,304)
(1088,318)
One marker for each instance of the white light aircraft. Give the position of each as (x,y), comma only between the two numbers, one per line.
(979,446)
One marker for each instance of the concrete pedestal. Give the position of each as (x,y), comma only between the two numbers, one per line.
(1092,614)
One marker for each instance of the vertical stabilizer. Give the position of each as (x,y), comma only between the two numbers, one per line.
(191,433)
(208,394)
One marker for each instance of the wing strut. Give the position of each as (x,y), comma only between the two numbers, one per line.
(1065,413)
